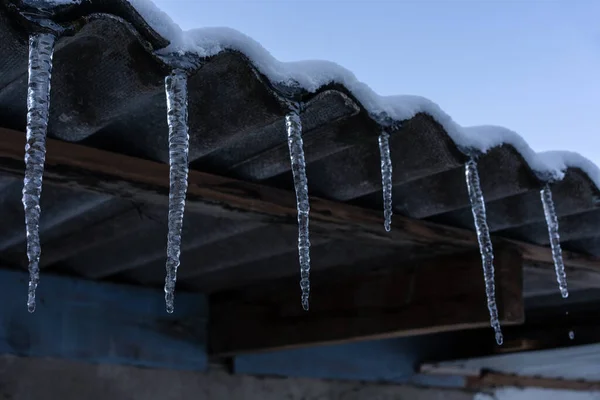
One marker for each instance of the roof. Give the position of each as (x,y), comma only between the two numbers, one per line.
(108,93)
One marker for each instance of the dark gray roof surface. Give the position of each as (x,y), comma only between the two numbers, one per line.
(108,93)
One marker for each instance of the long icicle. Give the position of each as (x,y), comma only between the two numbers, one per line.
(386,178)
(552,222)
(177,118)
(485,243)
(41,49)
(294,133)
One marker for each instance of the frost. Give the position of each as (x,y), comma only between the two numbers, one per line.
(386,178)
(485,243)
(552,222)
(41,48)
(176,93)
(294,134)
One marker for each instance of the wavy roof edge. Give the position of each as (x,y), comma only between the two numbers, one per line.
(174,47)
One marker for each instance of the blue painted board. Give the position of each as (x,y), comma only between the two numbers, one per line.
(102,323)
(390,360)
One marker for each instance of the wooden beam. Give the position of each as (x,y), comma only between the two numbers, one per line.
(439,295)
(489,380)
(540,281)
(145,181)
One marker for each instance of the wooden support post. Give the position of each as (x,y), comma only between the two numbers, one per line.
(443,294)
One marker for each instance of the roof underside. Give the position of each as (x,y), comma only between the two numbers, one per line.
(108,93)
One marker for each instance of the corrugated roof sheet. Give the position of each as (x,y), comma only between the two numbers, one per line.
(108,93)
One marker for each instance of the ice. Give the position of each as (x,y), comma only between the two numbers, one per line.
(176,93)
(552,222)
(386,178)
(571,335)
(294,134)
(41,48)
(485,243)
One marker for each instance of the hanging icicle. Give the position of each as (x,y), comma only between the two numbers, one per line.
(552,222)
(485,243)
(294,133)
(177,118)
(386,178)
(41,49)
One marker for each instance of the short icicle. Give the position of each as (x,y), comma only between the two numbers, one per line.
(552,222)
(294,133)
(386,178)
(177,118)
(485,243)
(41,49)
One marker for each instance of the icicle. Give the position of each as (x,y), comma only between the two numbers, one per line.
(552,222)
(386,178)
(41,48)
(177,118)
(485,243)
(294,133)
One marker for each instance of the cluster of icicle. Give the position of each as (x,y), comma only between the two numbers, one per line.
(485,243)
(41,48)
(486,249)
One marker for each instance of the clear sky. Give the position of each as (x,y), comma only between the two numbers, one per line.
(532,65)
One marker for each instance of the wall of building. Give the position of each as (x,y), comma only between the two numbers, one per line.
(39,379)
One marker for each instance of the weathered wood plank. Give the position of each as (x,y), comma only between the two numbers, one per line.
(495,379)
(145,181)
(78,242)
(439,295)
(102,323)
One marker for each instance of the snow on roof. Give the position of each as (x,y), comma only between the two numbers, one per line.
(312,75)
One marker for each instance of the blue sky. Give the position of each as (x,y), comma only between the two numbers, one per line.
(532,66)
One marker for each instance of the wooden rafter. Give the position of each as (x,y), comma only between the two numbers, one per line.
(77,166)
